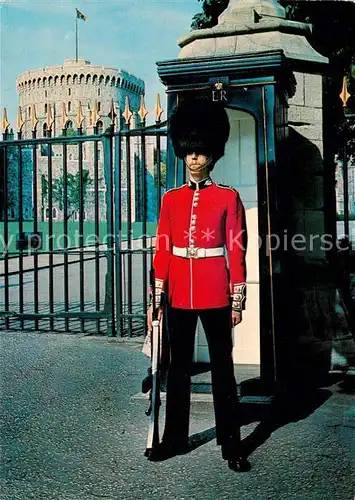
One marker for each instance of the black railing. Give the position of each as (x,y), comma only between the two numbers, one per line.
(79,264)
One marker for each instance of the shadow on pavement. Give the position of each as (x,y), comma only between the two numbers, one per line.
(284,410)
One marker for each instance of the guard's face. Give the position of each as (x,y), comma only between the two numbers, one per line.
(196,162)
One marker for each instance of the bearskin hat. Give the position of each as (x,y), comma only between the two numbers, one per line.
(199,125)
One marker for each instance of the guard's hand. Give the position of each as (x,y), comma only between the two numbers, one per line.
(150,317)
(236,318)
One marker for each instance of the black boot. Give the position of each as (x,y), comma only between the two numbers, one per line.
(237,460)
(239,464)
(167,450)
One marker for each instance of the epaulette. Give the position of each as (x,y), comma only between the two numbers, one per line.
(175,188)
(226,187)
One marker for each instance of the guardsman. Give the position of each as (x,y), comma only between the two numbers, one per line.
(201,225)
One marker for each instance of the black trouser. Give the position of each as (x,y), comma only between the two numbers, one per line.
(218,329)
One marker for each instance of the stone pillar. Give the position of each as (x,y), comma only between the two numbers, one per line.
(307,312)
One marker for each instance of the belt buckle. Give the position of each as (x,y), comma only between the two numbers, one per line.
(191,253)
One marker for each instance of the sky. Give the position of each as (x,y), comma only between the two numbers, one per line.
(130,35)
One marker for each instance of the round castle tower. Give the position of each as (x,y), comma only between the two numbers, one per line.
(73,82)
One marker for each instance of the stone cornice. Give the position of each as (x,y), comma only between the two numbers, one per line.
(200,66)
(231,29)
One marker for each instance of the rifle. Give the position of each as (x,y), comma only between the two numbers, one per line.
(153,431)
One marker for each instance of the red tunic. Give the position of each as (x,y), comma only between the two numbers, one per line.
(209,216)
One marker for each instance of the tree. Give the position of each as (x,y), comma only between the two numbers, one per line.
(211,9)
(71,132)
(333,36)
(163,168)
(73,189)
(44,194)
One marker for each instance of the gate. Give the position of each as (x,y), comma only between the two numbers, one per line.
(78,217)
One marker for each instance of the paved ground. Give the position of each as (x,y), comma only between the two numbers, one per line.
(71,431)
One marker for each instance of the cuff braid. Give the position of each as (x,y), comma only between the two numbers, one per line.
(159,294)
(239,296)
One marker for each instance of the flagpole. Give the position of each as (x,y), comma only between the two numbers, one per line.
(76,36)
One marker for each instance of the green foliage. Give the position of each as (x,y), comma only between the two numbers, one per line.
(333,35)
(163,168)
(73,190)
(44,187)
(163,171)
(211,9)
(71,132)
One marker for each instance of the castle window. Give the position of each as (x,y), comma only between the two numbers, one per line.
(99,127)
(45,108)
(44,130)
(29,112)
(45,93)
(98,91)
(69,106)
(99,106)
(69,124)
(69,91)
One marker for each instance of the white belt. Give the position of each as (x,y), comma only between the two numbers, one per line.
(198,253)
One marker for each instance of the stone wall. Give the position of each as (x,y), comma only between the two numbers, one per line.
(306,140)
(316,305)
(71,83)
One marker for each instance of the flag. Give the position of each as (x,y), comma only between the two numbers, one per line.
(80,15)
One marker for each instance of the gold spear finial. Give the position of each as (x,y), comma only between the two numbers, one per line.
(49,119)
(127,114)
(34,120)
(158,109)
(4,122)
(79,116)
(20,121)
(344,95)
(112,114)
(95,117)
(64,115)
(142,110)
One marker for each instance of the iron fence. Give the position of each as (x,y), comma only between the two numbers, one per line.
(78,216)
